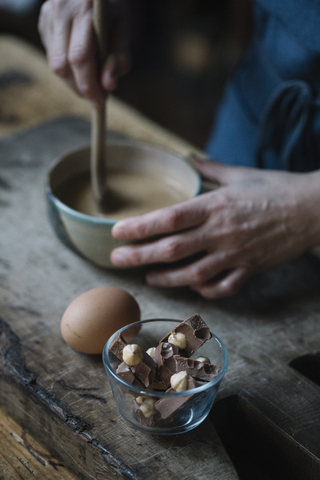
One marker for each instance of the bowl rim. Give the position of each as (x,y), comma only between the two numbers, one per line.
(157,393)
(70,212)
(74,214)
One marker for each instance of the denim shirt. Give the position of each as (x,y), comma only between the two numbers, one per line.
(270,112)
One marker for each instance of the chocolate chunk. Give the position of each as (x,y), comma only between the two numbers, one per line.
(148,421)
(162,379)
(196,332)
(163,355)
(168,405)
(196,369)
(117,346)
(125,373)
(145,371)
(166,365)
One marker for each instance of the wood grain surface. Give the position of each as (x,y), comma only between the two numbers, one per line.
(72,389)
(266,418)
(23,458)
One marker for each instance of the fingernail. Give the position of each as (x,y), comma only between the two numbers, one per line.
(196,158)
(118,258)
(152,279)
(109,81)
(118,231)
(97,104)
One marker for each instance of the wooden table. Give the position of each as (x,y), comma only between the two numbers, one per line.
(266,417)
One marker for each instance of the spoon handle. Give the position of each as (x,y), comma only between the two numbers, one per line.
(98,155)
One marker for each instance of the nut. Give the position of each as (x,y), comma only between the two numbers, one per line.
(132,354)
(148,407)
(151,351)
(179,381)
(178,339)
(203,360)
(140,399)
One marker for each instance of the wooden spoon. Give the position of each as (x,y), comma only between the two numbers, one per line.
(98,164)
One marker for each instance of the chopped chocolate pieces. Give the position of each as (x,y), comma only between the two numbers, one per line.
(166,365)
(164,353)
(200,328)
(162,378)
(199,370)
(117,346)
(146,411)
(167,405)
(148,422)
(145,371)
(195,331)
(169,363)
(125,373)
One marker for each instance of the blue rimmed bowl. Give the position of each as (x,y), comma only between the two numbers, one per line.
(90,236)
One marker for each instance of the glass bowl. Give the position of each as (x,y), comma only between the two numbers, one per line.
(184,410)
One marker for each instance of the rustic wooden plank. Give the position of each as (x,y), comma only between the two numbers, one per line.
(6,469)
(39,278)
(21,456)
(63,397)
(276,414)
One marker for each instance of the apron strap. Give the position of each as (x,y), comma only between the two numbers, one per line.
(284,111)
(286,123)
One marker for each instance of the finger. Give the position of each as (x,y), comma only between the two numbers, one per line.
(117,64)
(57,42)
(166,250)
(164,221)
(217,172)
(82,59)
(225,287)
(55,38)
(44,25)
(195,273)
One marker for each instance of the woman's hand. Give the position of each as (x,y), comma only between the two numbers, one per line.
(66,30)
(255,220)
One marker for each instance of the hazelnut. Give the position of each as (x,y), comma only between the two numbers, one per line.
(151,351)
(203,360)
(140,399)
(179,381)
(148,407)
(132,354)
(178,339)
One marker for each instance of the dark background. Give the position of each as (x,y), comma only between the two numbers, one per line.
(182,52)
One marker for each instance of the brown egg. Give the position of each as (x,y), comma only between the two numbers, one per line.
(95,315)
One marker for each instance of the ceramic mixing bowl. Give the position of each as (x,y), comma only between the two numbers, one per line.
(184,410)
(90,236)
